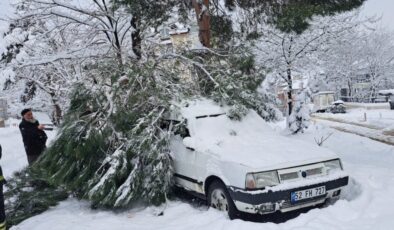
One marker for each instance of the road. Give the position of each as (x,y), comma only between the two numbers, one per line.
(365,130)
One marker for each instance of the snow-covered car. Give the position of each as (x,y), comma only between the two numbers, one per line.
(391,102)
(244,166)
(389,95)
(337,107)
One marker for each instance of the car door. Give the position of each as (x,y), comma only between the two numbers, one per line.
(184,161)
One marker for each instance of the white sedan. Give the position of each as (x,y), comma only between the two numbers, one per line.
(244,166)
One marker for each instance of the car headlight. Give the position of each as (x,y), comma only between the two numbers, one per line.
(261,180)
(333,166)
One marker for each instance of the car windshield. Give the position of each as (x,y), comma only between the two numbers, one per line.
(220,126)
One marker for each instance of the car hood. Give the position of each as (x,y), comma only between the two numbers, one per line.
(252,143)
(267,154)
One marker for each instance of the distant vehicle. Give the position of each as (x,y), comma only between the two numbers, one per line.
(389,93)
(322,101)
(244,166)
(337,107)
(391,101)
(44,119)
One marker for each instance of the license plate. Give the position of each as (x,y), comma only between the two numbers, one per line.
(308,193)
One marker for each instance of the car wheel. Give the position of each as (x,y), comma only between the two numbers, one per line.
(219,198)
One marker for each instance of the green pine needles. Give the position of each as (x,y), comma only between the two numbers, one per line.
(237,84)
(27,195)
(113,149)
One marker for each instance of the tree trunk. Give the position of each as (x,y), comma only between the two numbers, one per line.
(57,111)
(349,86)
(289,92)
(136,37)
(204,21)
(372,94)
(57,114)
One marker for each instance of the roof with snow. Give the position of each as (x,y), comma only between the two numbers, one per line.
(325,92)
(386,92)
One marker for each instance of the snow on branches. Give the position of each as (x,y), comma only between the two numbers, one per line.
(113,148)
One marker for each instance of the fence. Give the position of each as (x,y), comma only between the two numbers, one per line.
(378,99)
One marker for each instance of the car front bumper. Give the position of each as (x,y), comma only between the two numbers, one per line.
(271,201)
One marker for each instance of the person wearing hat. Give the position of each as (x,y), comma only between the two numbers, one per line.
(2,211)
(34,137)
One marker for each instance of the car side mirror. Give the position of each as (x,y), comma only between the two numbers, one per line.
(189,143)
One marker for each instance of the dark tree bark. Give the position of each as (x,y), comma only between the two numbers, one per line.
(204,21)
(136,37)
(57,111)
(289,92)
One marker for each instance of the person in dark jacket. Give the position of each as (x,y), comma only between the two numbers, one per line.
(2,211)
(34,137)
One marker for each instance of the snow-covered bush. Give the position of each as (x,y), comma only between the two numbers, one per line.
(299,118)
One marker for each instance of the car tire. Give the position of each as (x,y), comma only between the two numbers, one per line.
(219,198)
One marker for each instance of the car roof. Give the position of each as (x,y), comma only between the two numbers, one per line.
(196,108)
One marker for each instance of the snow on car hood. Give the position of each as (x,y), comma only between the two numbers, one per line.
(252,143)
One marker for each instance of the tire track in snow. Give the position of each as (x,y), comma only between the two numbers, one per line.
(357,129)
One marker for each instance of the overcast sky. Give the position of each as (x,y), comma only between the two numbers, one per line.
(380,8)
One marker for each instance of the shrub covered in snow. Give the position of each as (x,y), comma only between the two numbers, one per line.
(300,116)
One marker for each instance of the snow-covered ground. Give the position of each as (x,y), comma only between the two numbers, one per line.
(375,118)
(368,203)
(14,156)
